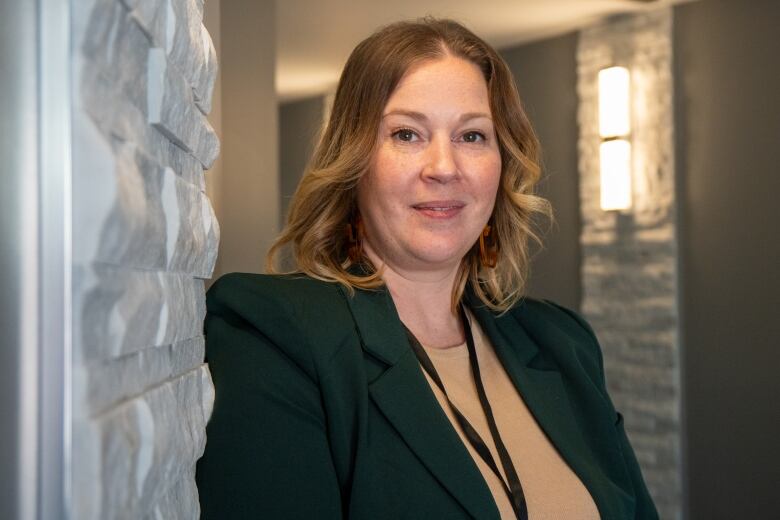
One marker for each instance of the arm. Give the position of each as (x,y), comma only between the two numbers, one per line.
(645,509)
(267,453)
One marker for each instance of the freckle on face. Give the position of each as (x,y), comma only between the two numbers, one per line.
(425,200)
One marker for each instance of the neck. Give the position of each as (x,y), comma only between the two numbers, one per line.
(423,300)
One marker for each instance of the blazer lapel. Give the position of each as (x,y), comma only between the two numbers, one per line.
(405,398)
(543,390)
(401,392)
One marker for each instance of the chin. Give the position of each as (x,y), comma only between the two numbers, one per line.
(441,256)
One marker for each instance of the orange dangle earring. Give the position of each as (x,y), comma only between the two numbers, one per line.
(488,247)
(355,239)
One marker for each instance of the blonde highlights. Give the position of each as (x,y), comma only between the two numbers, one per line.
(325,201)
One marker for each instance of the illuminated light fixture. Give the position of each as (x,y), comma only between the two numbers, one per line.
(615,132)
(614,102)
(615,174)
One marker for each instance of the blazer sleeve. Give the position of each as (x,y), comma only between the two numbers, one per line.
(645,508)
(267,453)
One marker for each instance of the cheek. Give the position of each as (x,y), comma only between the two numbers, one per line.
(491,182)
(376,198)
(386,184)
(367,201)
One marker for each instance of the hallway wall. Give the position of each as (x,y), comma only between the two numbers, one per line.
(546,75)
(728,132)
(300,123)
(245,185)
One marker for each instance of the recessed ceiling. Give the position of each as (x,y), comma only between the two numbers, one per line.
(315,37)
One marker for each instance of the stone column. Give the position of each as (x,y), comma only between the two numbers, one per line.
(629,259)
(144,239)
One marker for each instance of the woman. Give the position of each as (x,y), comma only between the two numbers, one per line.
(399,374)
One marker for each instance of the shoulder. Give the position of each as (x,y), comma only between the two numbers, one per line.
(245,290)
(297,314)
(562,334)
(548,314)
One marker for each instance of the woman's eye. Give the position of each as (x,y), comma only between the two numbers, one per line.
(473,137)
(405,134)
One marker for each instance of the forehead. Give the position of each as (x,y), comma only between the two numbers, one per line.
(449,83)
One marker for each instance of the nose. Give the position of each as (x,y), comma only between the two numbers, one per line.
(441,165)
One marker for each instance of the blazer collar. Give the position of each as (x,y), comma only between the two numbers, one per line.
(384,337)
(378,324)
(404,396)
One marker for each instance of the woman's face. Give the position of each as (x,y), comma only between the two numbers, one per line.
(433,178)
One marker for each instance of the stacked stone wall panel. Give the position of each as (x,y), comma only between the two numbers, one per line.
(145,238)
(629,259)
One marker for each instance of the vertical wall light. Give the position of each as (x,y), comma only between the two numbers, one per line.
(615,132)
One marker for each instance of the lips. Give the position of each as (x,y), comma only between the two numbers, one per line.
(440,209)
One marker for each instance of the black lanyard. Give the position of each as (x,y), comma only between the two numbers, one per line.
(514,491)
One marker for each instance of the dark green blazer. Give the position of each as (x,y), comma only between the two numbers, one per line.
(322,410)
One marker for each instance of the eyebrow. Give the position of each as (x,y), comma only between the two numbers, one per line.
(419,116)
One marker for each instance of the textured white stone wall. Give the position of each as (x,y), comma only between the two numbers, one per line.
(629,259)
(145,238)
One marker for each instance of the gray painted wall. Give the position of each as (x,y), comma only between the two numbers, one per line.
(299,128)
(728,128)
(245,187)
(546,75)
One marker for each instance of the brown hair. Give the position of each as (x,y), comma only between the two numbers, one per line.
(325,199)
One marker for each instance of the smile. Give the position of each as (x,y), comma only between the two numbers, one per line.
(439,209)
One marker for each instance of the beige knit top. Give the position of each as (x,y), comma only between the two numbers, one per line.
(552,490)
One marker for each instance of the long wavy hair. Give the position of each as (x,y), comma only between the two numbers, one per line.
(325,200)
